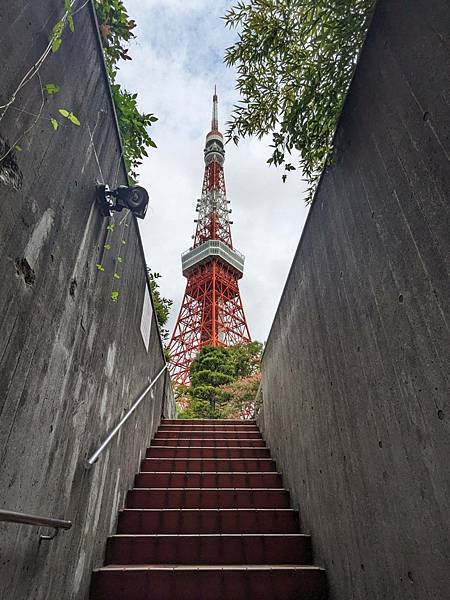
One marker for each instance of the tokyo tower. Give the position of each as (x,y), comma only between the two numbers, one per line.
(211,312)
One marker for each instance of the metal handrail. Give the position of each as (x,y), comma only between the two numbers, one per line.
(92,459)
(10,516)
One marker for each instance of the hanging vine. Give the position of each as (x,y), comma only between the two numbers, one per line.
(116,30)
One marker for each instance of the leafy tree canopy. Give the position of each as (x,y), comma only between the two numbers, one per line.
(239,397)
(213,374)
(294,60)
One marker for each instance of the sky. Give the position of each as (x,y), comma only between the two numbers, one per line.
(177,60)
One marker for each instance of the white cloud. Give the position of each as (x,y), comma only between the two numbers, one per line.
(177,59)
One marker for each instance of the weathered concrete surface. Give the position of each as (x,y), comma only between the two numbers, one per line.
(355,372)
(71,360)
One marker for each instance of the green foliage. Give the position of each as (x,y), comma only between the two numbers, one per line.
(69,115)
(58,29)
(162,305)
(246,358)
(51,88)
(215,374)
(294,59)
(116,31)
(133,128)
(239,396)
(199,408)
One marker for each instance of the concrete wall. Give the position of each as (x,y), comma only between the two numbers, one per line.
(355,372)
(71,360)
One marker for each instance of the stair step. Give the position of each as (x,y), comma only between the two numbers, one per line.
(157,582)
(209,549)
(196,427)
(208,521)
(209,480)
(206,452)
(207,422)
(208,464)
(217,433)
(207,498)
(209,442)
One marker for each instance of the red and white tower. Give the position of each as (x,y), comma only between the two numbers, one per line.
(211,312)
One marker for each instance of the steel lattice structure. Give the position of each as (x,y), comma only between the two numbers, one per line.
(211,311)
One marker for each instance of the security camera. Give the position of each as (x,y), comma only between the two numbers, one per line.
(134,198)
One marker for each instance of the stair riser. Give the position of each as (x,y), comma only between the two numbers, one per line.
(237,428)
(205,442)
(167,452)
(244,435)
(209,550)
(217,584)
(208,480)
(198,521)
(185,498)
(183,422)
(207,465)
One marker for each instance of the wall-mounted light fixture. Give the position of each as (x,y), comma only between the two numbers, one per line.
(134,198)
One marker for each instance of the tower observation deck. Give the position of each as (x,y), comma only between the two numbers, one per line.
(211,312)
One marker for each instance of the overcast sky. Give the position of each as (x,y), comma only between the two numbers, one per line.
(177,59)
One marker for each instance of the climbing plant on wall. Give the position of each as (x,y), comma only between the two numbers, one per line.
(162,305)
(116,30)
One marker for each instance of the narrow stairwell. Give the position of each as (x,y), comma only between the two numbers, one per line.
(208,518)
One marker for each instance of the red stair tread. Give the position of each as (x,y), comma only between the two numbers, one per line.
(247,479)
(278,520)
(209,549)
(203,582)
(209,442)
(208,427)
(207,498)
(207,421)
(208,464)
(206,452)
(220,434)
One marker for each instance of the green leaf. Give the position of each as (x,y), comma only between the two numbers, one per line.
(71,23)
(124,241)
(18,148)
(100,267)
(119,259)
(56,44)
(114,296)
(107,246)
(69,115)
(68,5)
(294,61)
(116,276)
(51,88)
(73,119)
(110,227)
(54,123)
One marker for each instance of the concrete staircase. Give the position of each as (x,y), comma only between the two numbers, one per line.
(208,518)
